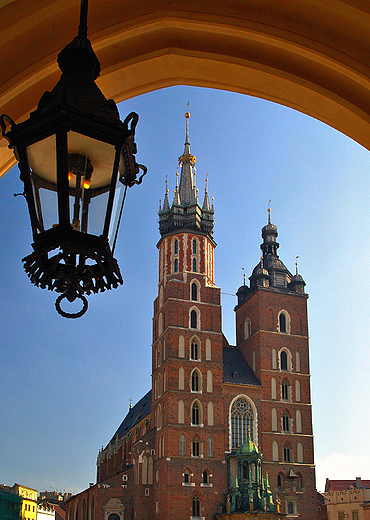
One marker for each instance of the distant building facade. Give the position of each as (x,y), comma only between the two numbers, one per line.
(182,451)
(10,504)
(348,499)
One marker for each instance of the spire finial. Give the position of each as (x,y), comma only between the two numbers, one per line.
(296,264)
(177,177)
(206,188)
(130,405)
(166,185)
(187,116)
(243,275)
(269,212)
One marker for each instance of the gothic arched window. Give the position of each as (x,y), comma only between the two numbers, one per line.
(182,450)
(205,477)
(241,418)
(287,453)
(285,422)
(176,266)
(194,265)
(194,247)
(283,359)
(194,292)
(290,508)
(195,447)
(210,447)
(193,319)
(285,390)
(194,350)
(195,381)
(196,506)
(282,322)
(195,414)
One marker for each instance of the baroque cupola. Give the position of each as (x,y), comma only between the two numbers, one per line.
(185,211)
(270,271)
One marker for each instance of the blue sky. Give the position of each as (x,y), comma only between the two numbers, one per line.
(66,384)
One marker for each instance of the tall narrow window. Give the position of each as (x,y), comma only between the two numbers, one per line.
(176,247)
(195,414)
(283,359)
(195,447)
(210,447)
(241,416)
(275,451)
(282,322)
(196,506)
(298,421)
(194,292)
(285,422)
(285,390)
(300,452)
(280,482)
(182,448)
(194,265)
(92,509)
(186,476)
(273,388)
(287,453)
(205,477)
(176,266)
(290,508)
(194,247)
(195,381)
(194,350)
(193,319)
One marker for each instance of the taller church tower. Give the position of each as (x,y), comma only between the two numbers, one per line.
(187,400)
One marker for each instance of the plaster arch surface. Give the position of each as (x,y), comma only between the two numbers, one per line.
(310,55)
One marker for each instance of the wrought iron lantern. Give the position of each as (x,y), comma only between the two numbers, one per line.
(76,160)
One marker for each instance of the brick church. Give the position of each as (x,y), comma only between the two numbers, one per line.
(225,430)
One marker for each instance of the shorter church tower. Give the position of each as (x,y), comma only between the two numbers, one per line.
(272,335)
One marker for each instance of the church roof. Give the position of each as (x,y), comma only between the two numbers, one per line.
(134,416)
(236,369)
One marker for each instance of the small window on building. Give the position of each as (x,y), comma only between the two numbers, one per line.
(210,447)
(285,390)
(282,322)
(176,266)
(205,477)
(195,383)
(196,506)
(186,476)
(195,447)
(285,422)
(194,247)
(283,360)
(287,453)
(290,508)
(194,292)
(182,450)
(194,265)
(176,247)
(193,319)
(195,414)
(280,482)
(194,351)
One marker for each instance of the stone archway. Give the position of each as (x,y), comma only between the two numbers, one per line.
(311,55)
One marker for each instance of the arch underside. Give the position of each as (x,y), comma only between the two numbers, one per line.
(310,55)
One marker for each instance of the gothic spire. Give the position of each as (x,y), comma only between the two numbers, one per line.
(206,205)
(186,211)
(187,190)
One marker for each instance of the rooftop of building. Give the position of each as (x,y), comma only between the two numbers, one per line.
(344,485)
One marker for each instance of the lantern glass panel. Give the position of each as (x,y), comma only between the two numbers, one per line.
(43,173)
(90,172)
